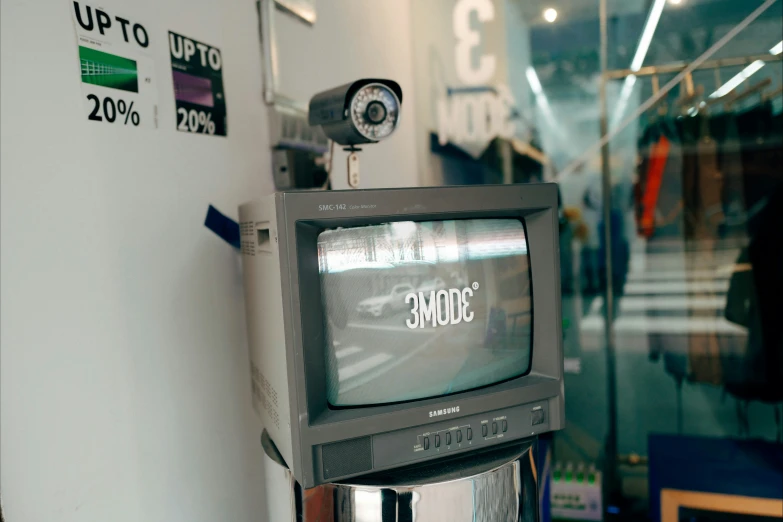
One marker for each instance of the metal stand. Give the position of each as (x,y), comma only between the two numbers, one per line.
(496,486)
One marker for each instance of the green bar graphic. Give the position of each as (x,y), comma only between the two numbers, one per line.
(108,70)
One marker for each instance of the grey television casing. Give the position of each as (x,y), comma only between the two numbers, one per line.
(321,444)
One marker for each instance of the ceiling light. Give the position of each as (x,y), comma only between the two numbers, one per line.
(638,58)
(532,79)
(550,15)
(744,74)
(542,102)
(738,79)
(647,34)
(675,2)
(625,95)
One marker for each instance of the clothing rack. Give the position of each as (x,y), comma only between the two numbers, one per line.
(772,94)
(732,98)
(675,67)
(691,94)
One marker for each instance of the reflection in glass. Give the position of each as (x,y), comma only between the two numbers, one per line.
(422,309)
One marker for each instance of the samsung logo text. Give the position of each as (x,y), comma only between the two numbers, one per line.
(445,411)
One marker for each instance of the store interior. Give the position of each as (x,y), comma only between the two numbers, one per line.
(675,108)
(124,378)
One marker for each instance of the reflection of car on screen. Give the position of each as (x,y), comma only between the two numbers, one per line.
(380,305)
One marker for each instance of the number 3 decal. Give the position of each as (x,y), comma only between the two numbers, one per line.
(468,38)
(415,323)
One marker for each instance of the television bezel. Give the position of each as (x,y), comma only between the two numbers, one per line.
(303,215)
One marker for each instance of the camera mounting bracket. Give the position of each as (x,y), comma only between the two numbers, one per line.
(353,166)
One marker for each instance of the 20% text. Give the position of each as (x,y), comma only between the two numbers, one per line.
(111,109)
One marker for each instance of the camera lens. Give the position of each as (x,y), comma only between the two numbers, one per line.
(376,112)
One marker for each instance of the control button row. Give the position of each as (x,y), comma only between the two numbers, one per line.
(485,428)
(469,436)
(538,417)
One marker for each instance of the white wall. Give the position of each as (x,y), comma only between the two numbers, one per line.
(124,390)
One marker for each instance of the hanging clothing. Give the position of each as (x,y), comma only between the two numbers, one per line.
(659,152)
(660,219)
(702,180)
(757,285)
(726,132)
(659,182)
(726,191)
(703,212)
(761,153)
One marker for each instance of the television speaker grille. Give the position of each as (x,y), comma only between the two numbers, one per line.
(347,457)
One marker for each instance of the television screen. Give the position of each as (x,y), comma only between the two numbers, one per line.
(415,310)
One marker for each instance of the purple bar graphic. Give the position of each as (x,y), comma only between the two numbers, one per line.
(193,89)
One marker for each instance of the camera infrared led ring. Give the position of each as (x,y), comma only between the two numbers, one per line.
(367,100)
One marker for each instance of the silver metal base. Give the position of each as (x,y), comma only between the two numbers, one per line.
(496,486)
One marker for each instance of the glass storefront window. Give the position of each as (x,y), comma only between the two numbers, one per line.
(676,115)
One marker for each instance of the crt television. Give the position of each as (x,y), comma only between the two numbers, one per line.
(396,326)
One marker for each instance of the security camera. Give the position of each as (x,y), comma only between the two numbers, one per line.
(365,111)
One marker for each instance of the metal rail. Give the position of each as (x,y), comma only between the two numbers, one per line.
(650,70)
(611,481)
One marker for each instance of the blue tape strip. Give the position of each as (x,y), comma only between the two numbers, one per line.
(225,227)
